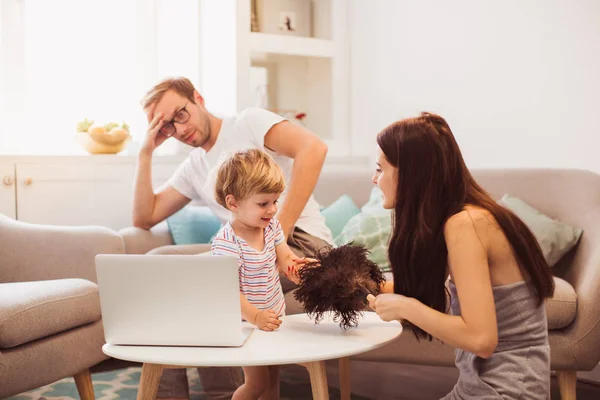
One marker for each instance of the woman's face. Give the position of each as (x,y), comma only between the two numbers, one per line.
(386,176)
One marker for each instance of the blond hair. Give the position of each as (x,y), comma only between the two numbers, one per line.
(179,85)
(246,173)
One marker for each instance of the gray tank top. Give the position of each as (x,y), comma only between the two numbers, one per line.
(520,365)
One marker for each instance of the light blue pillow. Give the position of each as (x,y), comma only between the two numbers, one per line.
(339,213)
(192,225)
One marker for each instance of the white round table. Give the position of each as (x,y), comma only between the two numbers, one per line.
(297,341)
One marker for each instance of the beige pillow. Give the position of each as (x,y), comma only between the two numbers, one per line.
(555,238)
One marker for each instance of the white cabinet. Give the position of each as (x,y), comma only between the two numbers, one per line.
(8,206)
(72,191)
(67,194)
(80,190)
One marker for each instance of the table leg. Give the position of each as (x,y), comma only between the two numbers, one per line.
(344,368)
(318,380)
(149,381)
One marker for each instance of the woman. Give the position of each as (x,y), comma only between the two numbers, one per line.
(446,225)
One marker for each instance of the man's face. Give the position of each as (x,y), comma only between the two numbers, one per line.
(189,121)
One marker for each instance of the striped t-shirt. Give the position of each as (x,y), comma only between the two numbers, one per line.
(258,273)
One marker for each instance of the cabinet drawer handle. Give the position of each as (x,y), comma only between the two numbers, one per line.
(8,180)
(28,181)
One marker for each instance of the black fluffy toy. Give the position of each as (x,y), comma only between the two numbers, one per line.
(339,282)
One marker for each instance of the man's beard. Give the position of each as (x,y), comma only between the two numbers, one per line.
(204,134)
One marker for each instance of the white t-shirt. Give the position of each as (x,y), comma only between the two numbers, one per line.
(195,176)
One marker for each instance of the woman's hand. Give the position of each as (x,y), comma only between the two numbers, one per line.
(390,307)
(267,320)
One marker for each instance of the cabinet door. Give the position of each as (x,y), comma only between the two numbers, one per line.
(8,200)
(75,194)
(161,172)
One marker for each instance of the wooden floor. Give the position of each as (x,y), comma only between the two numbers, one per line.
(406,382)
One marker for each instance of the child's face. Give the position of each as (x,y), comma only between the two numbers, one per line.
(257,210)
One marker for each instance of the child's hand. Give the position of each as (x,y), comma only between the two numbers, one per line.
(267,320)
(292,273)
(304,260)
(298,264)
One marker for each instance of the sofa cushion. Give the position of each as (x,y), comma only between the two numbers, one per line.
(338,213)
(193,224)
(555,238)
(562,307)
(35,310)
(372,228)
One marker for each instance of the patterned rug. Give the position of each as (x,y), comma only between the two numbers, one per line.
(120,384)
(175,384)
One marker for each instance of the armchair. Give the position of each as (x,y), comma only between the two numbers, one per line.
(50,323)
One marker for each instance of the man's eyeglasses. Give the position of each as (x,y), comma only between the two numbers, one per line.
(181,117)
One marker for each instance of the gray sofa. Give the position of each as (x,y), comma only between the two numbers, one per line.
(50,324)
(571,196)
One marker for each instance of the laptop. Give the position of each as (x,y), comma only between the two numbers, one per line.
(170,300)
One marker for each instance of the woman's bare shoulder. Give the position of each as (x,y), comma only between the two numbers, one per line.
(470,217)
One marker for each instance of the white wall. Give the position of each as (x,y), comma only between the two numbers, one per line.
(517,80)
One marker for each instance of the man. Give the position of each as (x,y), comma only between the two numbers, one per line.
(175,109)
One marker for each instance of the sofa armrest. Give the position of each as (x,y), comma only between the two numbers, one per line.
(581,339)
(34,310)
(33,252)
(141,241)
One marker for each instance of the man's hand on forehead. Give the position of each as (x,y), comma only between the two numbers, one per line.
(153,114)
(150,112)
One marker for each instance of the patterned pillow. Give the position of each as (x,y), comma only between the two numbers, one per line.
(555,238)
(372,227)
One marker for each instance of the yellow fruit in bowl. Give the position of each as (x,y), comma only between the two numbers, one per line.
(114,136)
(119,133)
(96,129)
(103,139)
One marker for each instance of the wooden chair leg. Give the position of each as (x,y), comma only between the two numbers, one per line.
(318,380)
(567,384)
(344,368)
(149,381)
(85,388)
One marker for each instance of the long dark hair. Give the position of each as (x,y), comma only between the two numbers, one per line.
(433,184)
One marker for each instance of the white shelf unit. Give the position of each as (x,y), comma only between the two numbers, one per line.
(291,45)
(308,75)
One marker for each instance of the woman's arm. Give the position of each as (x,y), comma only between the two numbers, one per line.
(387,287)
(476,329)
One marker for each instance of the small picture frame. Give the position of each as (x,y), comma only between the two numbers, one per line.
(287,21)
(283,17)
